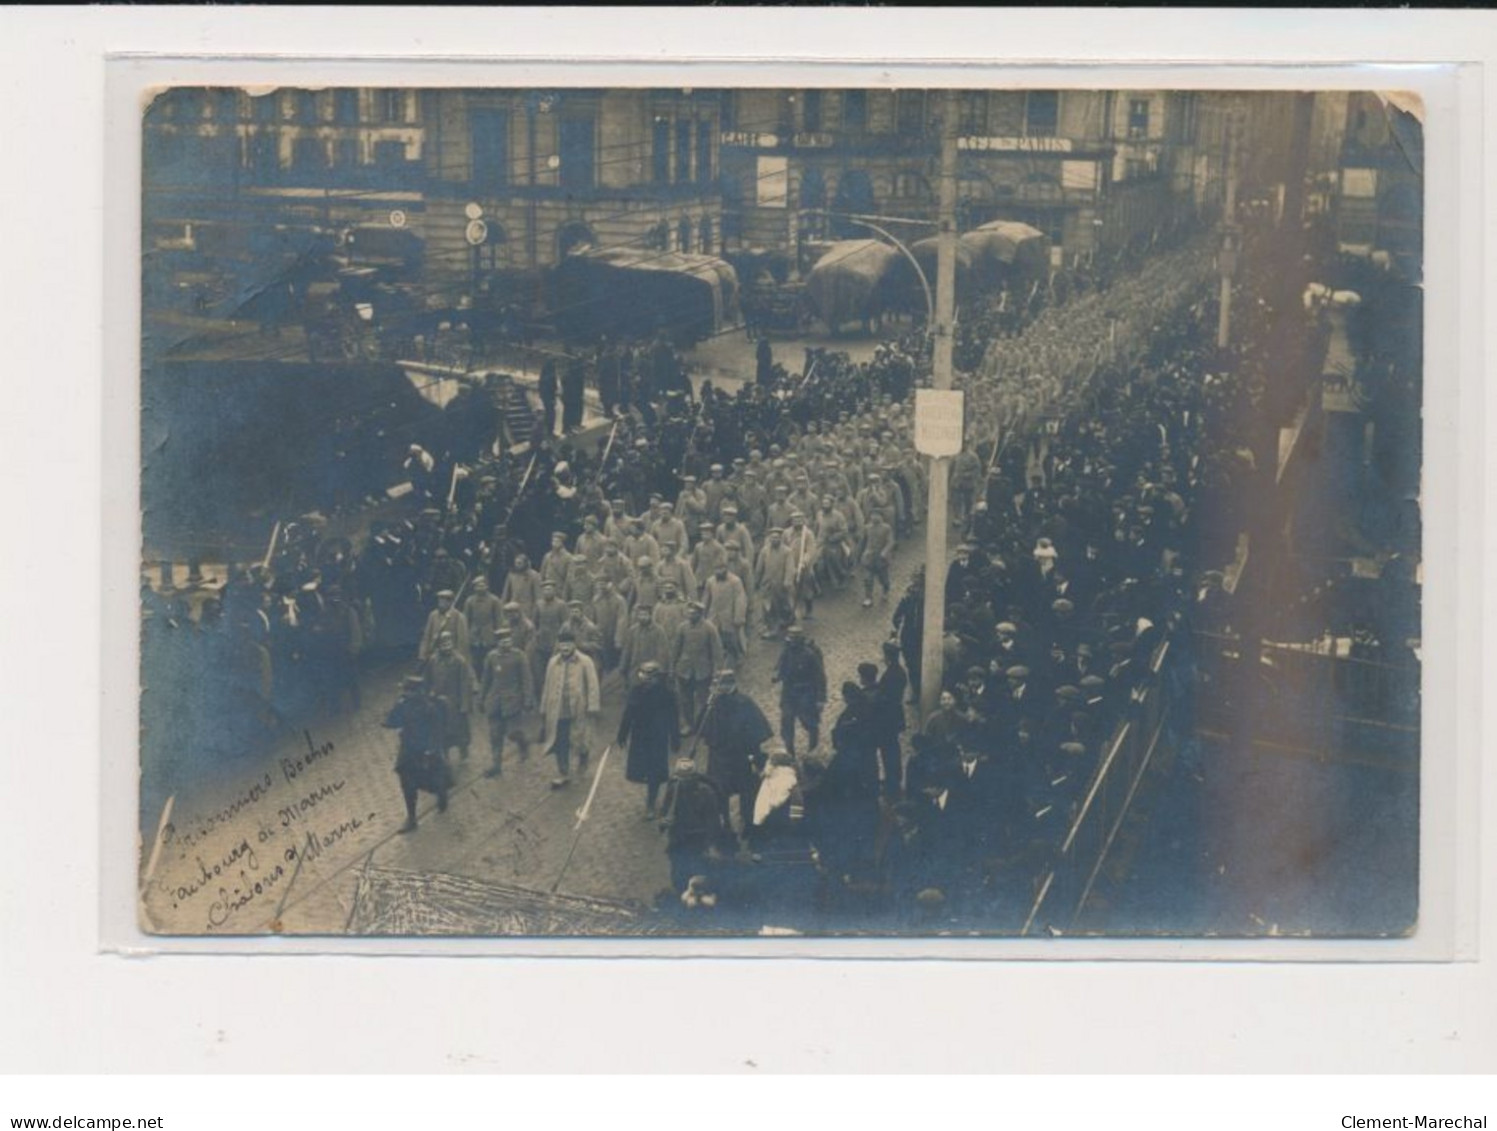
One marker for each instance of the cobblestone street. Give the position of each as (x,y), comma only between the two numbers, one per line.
(279,844)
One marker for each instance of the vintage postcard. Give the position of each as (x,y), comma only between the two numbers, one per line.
(781,512)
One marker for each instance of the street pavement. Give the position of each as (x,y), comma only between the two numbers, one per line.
(277,843)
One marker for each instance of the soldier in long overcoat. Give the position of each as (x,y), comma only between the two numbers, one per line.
(734,729)
(650,729)
(419,763)
(508,691)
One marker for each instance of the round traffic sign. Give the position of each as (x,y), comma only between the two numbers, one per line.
(397,218)
(477,232)
(473,210)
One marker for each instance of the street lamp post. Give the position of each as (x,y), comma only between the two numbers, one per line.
(936,522)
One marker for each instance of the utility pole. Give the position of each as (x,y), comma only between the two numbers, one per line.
(1227,256)
(937,521)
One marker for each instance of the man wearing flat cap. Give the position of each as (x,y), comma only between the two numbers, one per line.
(650,730)
(419,763)
(733,730)
(508,691)
(444,618)
(696,657)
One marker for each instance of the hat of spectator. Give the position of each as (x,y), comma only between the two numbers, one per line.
(1068,694)
(716,467)
(1007,628)
(1072,749)
(696,605)
(1063,605)
(795,631)
(688,479)
(1017,672)
(574,604)
(412,682)
(649,668)
(730,509)
(445,593)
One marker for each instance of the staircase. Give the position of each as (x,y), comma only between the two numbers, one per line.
(518,413)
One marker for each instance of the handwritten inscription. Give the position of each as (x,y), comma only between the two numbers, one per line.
(298,809)
(292,768)
(258,870)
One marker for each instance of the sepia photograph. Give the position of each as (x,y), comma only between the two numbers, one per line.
(759,512)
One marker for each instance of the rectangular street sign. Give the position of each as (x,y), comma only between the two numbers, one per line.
(939,421)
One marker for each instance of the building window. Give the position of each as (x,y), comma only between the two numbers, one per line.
(306,107)
(683,235)
(488,129)
(308,155)
(346,107)
(264,157)
(683,151)
(911,111)
(1189,108)
(704,152)
(811,110)
(705,229)
(973,120)
(1042,113)
(389,154)
(1138,118)
(264,107)
(348,153)
(728,109)
(660,150)
(855,109)
(911,186)
(577,153)
(658,238)
(787,112)
(390,105)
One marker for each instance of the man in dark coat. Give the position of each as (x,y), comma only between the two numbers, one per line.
(843,806)
(801,674)
(573,382)
(691,815)
(734,729)
(547,388)
(419,763)
(889,694)
(764,363)
(651,731)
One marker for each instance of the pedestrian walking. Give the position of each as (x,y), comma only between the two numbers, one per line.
(650,729)
(733,730)
(419,763)
(801,674)
(570,703)
(508,691)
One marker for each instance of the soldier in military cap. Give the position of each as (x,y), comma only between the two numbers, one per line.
(696,656)
(419,763)
(508,691)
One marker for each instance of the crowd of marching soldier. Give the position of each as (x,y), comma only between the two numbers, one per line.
(1092,503)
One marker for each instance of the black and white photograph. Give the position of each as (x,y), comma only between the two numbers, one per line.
(769,512)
